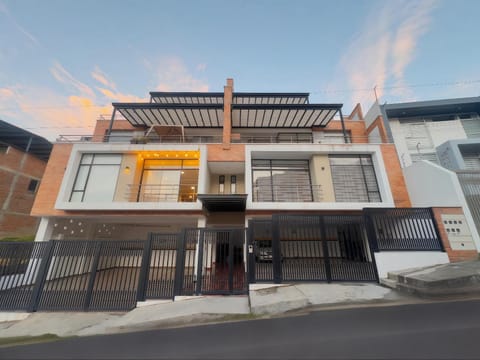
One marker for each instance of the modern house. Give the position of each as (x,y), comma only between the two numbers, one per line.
(445,133)
(23,158)
(206,193)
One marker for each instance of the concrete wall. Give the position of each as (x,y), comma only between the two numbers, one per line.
(401,260)
(321,175)
(430,185)
(372,114)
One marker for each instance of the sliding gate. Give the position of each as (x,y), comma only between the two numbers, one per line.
(310,248)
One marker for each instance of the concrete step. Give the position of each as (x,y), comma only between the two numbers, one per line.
(446,279)
(390,283)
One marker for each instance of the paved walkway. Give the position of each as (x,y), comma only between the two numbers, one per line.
(263,301)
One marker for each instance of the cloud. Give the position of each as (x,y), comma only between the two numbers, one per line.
(63,76)
(4,10)
(171,74)
(384,48)
(102,78)
(202,67)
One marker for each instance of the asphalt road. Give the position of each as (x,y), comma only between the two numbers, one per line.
(448,330)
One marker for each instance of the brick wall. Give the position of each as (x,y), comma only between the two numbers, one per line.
(50,186)
(102,126)
(453,255)
(17,169)
(395,176)
(217,152)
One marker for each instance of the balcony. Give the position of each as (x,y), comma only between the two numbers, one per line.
(161,193)
(292,192)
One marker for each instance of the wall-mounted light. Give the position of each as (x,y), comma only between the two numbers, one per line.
(127,170)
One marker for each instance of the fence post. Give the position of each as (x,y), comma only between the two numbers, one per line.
(144,267)
(326,256)
(276,251)
(232,234)
(198,284)
(371,236)
(41,276)
(93,274)
(179,264)
(250,255)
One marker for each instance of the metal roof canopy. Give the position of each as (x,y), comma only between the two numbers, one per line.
(243,115)
(186,115)
(223,202)
(190,98)
(283,116)
(270,98)
(24,140)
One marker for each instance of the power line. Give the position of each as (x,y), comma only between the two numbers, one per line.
(438,84)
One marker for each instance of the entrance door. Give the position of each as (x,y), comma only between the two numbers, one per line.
(221,267)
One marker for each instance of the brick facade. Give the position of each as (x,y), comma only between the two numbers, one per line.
(395,176)
(17,170)
(44,204)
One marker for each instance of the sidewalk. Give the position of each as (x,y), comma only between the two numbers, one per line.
(264,301)
(458,280)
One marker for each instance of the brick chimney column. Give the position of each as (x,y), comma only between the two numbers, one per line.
(227,113)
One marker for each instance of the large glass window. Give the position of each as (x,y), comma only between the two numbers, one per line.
(354,178)
(281,181)
(169,180)
(96,178)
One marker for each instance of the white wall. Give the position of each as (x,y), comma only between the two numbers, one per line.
(401,260)
(372,114)
(431,185)
(62,202)
(441,131)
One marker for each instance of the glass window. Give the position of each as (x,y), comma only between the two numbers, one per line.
(354,178)
(96,178)
(169,180)
(281,181)
(32,186)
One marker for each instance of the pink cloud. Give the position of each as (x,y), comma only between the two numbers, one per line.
(171,74)
(384,48)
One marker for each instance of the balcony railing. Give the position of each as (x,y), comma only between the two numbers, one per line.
(300,138)
(193,139)
(288,193)
(161,193)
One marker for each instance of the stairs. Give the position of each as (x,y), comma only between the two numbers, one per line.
(437,280)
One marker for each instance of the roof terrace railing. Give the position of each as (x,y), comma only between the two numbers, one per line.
(272,138)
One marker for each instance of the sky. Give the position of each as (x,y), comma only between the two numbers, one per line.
(63,62)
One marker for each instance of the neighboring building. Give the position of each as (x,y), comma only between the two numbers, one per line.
(23,158)
(419,128)
(445,133)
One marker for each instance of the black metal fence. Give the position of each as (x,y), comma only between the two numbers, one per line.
(20,267)
(114,275)
(402,229)
(310,248)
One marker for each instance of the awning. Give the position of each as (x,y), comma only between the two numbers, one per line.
(243,115)
(223,202)
(191,98)
(186,115)
(270,98)
(283,116)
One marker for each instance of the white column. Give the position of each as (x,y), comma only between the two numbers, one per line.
(45,229)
